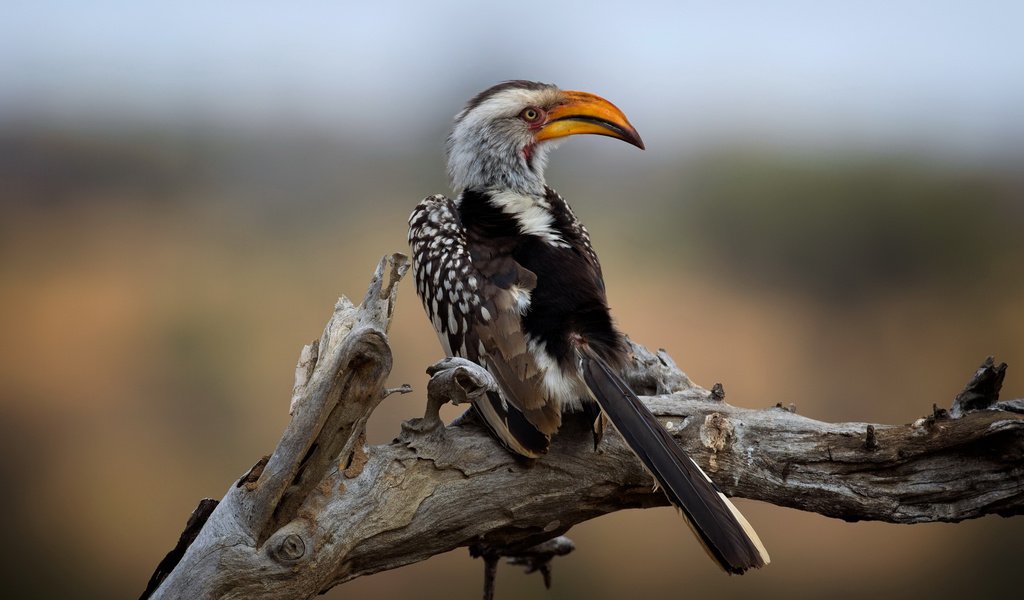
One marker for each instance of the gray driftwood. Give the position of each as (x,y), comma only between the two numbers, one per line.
(326,508)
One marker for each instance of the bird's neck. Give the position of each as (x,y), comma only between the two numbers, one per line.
(503,169)
(518,179)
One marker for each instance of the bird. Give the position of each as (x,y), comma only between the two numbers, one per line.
(510,281)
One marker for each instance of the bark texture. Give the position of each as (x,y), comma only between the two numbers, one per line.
(325,508)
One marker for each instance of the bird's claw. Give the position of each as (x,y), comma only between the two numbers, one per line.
(458,380)
(452,379)
(452,362)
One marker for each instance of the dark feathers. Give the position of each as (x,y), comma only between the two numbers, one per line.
(724,533)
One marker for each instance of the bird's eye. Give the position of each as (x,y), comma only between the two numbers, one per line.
(532,115)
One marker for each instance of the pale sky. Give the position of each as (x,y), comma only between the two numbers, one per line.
(946,75)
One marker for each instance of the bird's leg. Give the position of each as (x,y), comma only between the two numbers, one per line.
(455,380)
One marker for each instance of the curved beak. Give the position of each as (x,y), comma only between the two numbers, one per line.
(586,113)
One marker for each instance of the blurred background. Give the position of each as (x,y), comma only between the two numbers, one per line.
(829,213)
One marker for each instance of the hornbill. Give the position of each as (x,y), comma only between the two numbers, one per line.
(511,282)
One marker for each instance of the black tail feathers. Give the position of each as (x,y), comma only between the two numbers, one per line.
(724,532)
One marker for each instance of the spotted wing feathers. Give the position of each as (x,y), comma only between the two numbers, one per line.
(473,306)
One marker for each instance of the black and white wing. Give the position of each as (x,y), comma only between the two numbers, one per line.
(474,310)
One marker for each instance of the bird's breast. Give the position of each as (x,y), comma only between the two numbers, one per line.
(553,276)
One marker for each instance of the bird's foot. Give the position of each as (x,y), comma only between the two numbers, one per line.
(455,380)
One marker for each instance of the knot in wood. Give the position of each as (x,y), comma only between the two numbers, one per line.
(715,433)
(290,549)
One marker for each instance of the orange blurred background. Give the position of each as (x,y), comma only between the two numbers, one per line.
(829,214)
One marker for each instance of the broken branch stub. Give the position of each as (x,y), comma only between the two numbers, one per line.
(262,538)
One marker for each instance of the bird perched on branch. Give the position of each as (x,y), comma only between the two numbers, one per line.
(510,281)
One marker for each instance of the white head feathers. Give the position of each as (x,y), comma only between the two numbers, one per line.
(486,146)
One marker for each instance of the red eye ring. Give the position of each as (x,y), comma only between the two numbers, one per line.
(533,115)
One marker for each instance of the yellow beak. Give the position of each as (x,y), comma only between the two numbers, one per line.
(586,113)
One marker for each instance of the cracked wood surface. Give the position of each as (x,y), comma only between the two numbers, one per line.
(325,508)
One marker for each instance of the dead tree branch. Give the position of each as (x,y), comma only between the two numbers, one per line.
(325,508)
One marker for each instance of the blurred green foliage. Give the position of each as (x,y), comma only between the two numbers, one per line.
(845,228)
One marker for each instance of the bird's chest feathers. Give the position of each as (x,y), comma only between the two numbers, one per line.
(532,215)
(532,246)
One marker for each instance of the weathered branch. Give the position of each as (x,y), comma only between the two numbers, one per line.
(325,509)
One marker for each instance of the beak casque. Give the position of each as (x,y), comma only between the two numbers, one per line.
(586,113)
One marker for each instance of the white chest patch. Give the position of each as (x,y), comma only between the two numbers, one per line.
(533,215)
